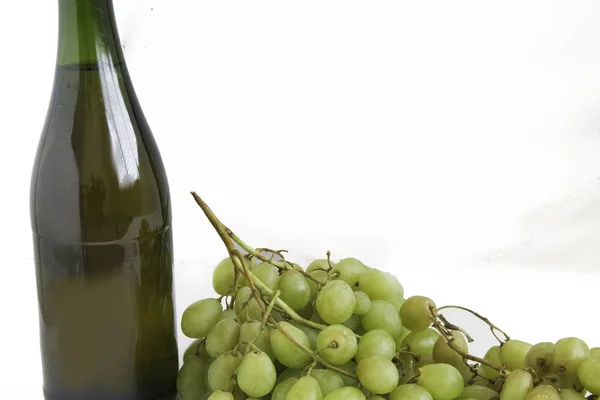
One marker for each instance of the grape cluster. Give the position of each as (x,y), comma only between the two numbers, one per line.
(345,331)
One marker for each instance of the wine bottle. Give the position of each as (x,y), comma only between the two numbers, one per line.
(101,220)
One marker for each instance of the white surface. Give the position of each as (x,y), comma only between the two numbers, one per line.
(453,143)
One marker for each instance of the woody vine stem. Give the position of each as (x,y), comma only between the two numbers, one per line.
(264,295)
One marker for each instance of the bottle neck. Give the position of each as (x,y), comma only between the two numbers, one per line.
(88,33)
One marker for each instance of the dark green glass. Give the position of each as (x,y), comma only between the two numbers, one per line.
(101,218)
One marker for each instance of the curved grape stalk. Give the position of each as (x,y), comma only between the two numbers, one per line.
(259,289)
(445,328)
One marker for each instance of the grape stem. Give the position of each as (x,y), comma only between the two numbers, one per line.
(453,327)
(256,253)
(227,236)
(310,368)
(493,327)
(269,309)
(238,260)
(329,261)
(534,374)
(439,325)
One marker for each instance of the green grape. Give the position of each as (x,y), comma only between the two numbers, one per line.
(378,374)
(543,392)
(410,392)
(349,367)
(320,276)
(328,380)
(256,375)
(296,267)
(416,313)
(595,352)
(311,333)
(400,338)
(353,322)
(493,356)
(513,353)
(190,378)
(222,337)
(223,277)
(289,373)
(252,312)
(380,285)
(242,281)
(196,348)
(568,353)
(242,297)
(397,302)
(282,389)
(227,314)
(477,392)
(199,317)
(345,393)
(539,357)
(442,353)
(209,362)
(570,394)
(287,352)
(263,342)
(589,374)
(517,386)
(305,388)
(220,372)
(363,303)
(250,330)
(318,264)
(375,397)
(378,342)
(295,291)
(421,343)
(337,344)
(556,380)
(349,270)
(442,381)
(220,395)
(335,302)
(267,274)
(382,315)
(246,306)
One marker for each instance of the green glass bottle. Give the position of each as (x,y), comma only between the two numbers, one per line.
(101,218)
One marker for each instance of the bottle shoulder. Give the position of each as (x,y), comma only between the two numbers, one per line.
(97,160)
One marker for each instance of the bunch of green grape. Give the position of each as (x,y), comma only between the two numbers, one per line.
(344,331)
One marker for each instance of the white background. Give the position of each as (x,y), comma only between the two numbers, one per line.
(456,144)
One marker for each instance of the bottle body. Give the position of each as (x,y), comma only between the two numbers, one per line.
(101,219)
